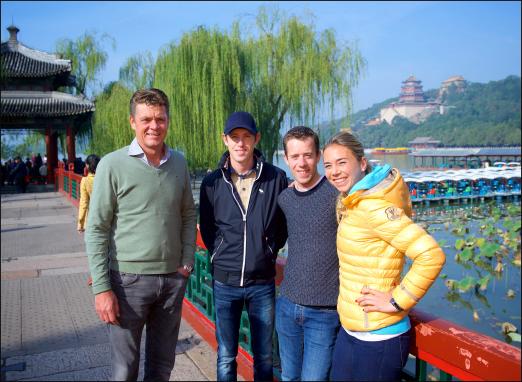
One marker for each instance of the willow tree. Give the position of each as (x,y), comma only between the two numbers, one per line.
(88,56)
(286,71)
(293,72)
(111,129)
(138,71)
(202,75)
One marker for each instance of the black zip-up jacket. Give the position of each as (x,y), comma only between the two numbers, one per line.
(243,245)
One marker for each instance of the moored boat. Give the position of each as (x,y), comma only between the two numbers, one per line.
(390,150)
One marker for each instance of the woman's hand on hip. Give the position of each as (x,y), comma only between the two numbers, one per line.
(375,301)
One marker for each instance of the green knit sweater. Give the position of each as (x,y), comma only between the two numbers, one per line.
(141,219)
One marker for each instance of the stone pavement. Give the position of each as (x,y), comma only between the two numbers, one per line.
(49,326)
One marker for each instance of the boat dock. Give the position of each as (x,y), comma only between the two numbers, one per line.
(464,185)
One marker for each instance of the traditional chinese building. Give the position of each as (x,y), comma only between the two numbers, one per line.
(30,99)
(412,104)
(424,143)
(411,91)
(457,82)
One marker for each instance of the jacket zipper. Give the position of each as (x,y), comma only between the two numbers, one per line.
(244,215)
(217,249)
(268,245)
(366,325)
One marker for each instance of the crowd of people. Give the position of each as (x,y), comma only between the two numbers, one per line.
(342,310)
(15,171)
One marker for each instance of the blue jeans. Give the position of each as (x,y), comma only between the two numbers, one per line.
(306,340)
(228,304)
(356,360)
(153,301)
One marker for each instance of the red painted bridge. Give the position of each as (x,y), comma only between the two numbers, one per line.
(454,350)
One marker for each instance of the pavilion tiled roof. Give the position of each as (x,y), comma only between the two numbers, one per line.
(466,152)
(423,140)
(15,103)
(19,60)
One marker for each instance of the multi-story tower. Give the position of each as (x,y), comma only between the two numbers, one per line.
(411,91)
(412,104)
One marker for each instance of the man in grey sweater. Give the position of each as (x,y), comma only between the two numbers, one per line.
(140,240)
(306,317)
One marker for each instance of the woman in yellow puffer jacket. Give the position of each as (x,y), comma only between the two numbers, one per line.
(85,191)
(375,234)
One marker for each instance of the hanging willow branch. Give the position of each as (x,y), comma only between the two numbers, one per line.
(202,77)
(287,72)
(111,129)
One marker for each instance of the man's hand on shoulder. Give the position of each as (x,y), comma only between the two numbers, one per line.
(107,307)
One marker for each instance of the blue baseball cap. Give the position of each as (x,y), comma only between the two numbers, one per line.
(240,119)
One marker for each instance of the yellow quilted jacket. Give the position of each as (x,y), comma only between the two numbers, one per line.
(85,197)
(374,234)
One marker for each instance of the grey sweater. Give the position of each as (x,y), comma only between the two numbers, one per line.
(311,275)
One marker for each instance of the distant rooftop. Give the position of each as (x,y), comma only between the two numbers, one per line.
(453,79)
(418,140)
(19,60)
(411,79)
(464,152)
(17,103)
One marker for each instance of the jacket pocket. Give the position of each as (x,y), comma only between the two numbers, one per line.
(270,250)
(216,250)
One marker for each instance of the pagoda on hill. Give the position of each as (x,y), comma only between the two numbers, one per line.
(30,99)
(411,91)
(412,104)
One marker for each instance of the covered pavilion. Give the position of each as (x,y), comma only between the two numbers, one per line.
(31,100)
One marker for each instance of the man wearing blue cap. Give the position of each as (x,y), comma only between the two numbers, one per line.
(243,230)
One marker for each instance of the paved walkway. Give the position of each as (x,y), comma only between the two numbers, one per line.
(49,326)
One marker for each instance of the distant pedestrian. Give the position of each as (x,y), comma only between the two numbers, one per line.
(43,173)
(85,191)
(19,174)
(79,166)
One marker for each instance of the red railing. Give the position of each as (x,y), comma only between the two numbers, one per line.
(454,349)
(68,183)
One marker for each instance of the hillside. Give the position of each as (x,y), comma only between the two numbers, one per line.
(483,115)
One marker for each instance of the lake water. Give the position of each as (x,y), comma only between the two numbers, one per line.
(403,162)
(486,310)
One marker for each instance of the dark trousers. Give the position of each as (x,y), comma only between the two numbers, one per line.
(228,302)
(153,301)
(356,360)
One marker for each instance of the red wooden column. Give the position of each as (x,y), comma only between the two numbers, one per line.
(51,143)
(71,149)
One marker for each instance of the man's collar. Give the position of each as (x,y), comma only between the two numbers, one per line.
(135,150)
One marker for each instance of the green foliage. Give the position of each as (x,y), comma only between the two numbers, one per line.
(32,143)
(111,128)
(202,76)
(88,58)
(295,72)
(482,115)
(285,72)
(138,71)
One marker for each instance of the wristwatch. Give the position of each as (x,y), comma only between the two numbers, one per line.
(395,305)
(188,267)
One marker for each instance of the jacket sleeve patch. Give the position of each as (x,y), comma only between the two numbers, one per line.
(393,213)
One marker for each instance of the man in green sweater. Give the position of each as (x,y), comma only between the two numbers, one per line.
(140,240)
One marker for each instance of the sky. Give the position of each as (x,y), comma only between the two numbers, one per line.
(479,40)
